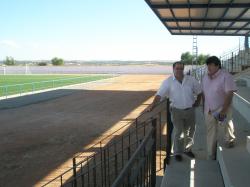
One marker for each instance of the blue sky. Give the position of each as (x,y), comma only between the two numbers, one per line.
(93,30)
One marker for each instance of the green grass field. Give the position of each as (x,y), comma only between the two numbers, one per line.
(18,84)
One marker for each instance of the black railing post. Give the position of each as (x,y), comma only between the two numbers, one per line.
(136,132)
(82,176)
(74,172)
(94,172)
(88,170)
(169,135)
(153,162)
(101,163)
(122,152)
(160,134)
(116,161)
(129,144)
(105,167)
(108,164)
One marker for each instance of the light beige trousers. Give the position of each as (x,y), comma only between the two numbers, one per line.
(212,126)
(184,129)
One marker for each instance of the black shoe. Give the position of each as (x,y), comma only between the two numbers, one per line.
(190,154)
(178,158)
(229,144)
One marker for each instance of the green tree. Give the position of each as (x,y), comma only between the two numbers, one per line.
(57,61)
(9,61)
(186,58)
(42,64)
(201,59)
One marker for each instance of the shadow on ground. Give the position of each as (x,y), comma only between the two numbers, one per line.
(37,138)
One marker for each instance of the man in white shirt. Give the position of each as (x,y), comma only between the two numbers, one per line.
(184,93)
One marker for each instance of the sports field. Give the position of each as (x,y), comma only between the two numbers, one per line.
(18,84)
(39,140)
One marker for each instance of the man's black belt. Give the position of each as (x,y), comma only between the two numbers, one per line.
(184,108)
(187,108)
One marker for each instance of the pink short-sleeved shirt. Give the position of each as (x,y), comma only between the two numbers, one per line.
(216,88)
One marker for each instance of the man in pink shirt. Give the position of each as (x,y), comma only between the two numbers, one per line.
(218,90)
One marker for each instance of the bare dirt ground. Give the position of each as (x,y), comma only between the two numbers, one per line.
(37,141)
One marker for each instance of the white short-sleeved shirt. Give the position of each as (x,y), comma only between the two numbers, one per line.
(182,95)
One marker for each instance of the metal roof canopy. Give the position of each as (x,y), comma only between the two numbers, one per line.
(204,17)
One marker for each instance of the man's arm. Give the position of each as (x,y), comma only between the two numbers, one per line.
(197,90)
(227,102)
(163,90)
(198,100)
(203,101)
(156,100)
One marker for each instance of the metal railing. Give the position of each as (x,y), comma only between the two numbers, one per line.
(236,59)
(198,72)
(110,156)
(141,167)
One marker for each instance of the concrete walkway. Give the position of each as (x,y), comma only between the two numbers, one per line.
(232,167)
(197,172)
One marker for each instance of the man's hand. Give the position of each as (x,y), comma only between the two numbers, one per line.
(222,116)
(156,100)
(195,104)
(150,108)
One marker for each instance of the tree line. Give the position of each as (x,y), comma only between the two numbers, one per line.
(187,58)
(10,61)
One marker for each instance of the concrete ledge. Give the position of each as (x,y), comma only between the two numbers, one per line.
(224,172)
(234,164)
(246,79)
(248,144)
(242,105)
(241,82)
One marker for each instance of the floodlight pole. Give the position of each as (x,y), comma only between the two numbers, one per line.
(246,43)
(194,51)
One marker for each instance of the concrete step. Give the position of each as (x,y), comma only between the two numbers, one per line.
(190,173)
(197,172)
(235,162)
